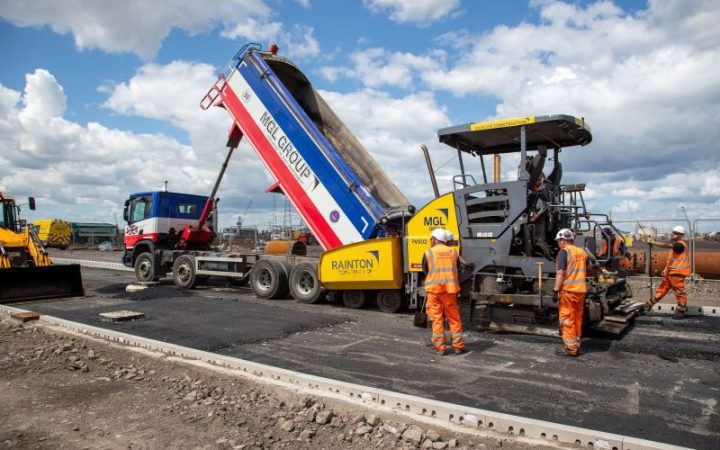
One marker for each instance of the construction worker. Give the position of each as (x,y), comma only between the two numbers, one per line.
(569,291)
(676,269)
(618,250)
(440,264)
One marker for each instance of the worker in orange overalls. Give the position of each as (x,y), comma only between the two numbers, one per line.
(570,289)
(440,264)
(676,269)
(618,251)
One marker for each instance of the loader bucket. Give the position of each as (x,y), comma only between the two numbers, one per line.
(18,284)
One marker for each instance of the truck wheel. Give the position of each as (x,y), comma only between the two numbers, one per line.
(354,299)
(183,272)
(145,267)
(305,286)
(390,301)
(268,279)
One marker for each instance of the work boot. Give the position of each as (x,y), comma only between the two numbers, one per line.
(458,352)
(438,352)
(678,314)
(562,351)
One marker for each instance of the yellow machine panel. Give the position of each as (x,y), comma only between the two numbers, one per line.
(371,264)
(439,213)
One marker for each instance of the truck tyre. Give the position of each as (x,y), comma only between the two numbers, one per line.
(305,286)
(183,272)
(269,279)
(390,301)
(354,299)
(145,269)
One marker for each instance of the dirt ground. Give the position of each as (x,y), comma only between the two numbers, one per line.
(64,391)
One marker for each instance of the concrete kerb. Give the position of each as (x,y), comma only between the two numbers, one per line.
(94,264)
(669,308)
(448,415)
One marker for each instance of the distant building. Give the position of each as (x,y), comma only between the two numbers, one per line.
(93,233)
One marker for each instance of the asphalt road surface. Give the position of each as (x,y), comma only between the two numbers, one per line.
(661,381)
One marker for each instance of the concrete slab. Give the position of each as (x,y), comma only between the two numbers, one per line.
(121,316)
(25,316)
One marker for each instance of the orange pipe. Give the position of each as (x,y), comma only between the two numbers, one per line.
(286,248)
(707,264)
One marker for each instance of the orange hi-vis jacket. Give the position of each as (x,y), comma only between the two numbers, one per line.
(679,263)
(575,268)
(442,275)
(615,248)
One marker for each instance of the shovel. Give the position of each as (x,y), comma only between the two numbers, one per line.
(420,320)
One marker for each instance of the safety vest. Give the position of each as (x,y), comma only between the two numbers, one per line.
(442,273)
(679,263)
(615,248)
(574,280)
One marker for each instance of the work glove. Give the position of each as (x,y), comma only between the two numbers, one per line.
(650,240)
(555,296)
(470,266)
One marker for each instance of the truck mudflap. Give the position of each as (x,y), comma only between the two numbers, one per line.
(20,284)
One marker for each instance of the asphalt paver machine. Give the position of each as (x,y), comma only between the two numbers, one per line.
(507,228)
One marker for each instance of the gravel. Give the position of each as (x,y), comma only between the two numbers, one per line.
(120,398)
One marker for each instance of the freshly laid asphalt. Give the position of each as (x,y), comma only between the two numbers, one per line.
(660,381)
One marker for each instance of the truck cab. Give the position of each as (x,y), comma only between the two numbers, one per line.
(155,220)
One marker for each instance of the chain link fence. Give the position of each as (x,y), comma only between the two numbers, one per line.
(702,236)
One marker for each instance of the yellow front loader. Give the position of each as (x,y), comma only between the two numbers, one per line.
(26,270)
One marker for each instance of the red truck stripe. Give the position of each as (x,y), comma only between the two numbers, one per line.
(317,223)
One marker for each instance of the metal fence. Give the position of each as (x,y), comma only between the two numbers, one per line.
(702,236)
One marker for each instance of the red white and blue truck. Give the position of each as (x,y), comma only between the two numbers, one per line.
(373,238)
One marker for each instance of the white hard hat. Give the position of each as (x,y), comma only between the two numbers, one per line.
(439,234)
(449,236)
(679,229)
(566,234)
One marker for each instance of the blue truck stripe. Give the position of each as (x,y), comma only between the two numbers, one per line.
(351,206)
(330,151)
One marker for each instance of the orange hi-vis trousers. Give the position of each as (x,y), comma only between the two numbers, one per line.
(677,284)
(444,305)
(570,314)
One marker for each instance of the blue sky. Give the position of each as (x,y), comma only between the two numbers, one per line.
(99,99)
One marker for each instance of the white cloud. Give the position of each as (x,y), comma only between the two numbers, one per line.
(627,206)
(172,93)
(645,82)
(296,42)
(392,131)
(136,26)
(377,67)
(418,11)
(711,184)
(84,172)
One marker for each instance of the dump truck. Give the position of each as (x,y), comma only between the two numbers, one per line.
(26,270)
(54,232)
(374,239)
